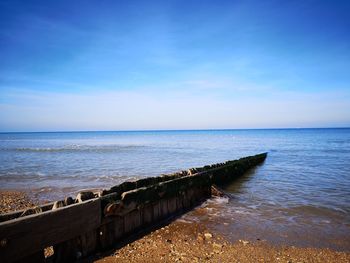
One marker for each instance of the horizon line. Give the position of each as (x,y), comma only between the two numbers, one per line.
(170,130)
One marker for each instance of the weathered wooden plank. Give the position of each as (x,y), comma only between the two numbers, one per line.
(191,197)
(132,221)
(156,211)
(186,201)
(147,214)
(172,205)
(89,242)
(16,214)
(106,235)
(179,203)
(67,251)
(164,212)
(27,235)
(118,228)
(199,194)
(37,257)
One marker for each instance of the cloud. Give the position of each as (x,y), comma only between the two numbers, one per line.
(125,110)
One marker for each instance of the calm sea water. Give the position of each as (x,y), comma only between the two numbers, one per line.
(301,194)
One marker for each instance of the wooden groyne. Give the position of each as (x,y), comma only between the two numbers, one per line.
(94,222)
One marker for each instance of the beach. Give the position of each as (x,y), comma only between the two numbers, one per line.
(174,131)
(12,200)
(292,207)
(181,240)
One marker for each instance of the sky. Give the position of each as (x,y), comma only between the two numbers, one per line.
(139,65)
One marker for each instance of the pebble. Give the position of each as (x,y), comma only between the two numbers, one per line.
(200,239)
(216,245)
(244,242)
(208,235)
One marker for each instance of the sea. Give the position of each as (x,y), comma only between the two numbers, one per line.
(299,196)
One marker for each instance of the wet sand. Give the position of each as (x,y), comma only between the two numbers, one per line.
(183,241)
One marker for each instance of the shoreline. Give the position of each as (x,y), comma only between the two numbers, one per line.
(183,241)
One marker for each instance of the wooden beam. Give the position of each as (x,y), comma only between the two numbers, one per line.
(23,236)
(16,214)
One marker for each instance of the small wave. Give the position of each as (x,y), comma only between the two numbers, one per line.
(242,212)
(254,207)
(311,210)
(77,178)
(15,176)
(189,219)
(74,148)
(219,200)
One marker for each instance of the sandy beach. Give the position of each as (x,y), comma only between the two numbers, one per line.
(12,200)
(182,241)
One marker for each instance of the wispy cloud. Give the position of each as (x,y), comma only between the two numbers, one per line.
(114,65)
(111,110)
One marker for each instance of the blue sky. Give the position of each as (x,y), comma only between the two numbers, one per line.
(121,65)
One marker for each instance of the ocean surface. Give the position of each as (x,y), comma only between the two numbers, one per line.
(300,195)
